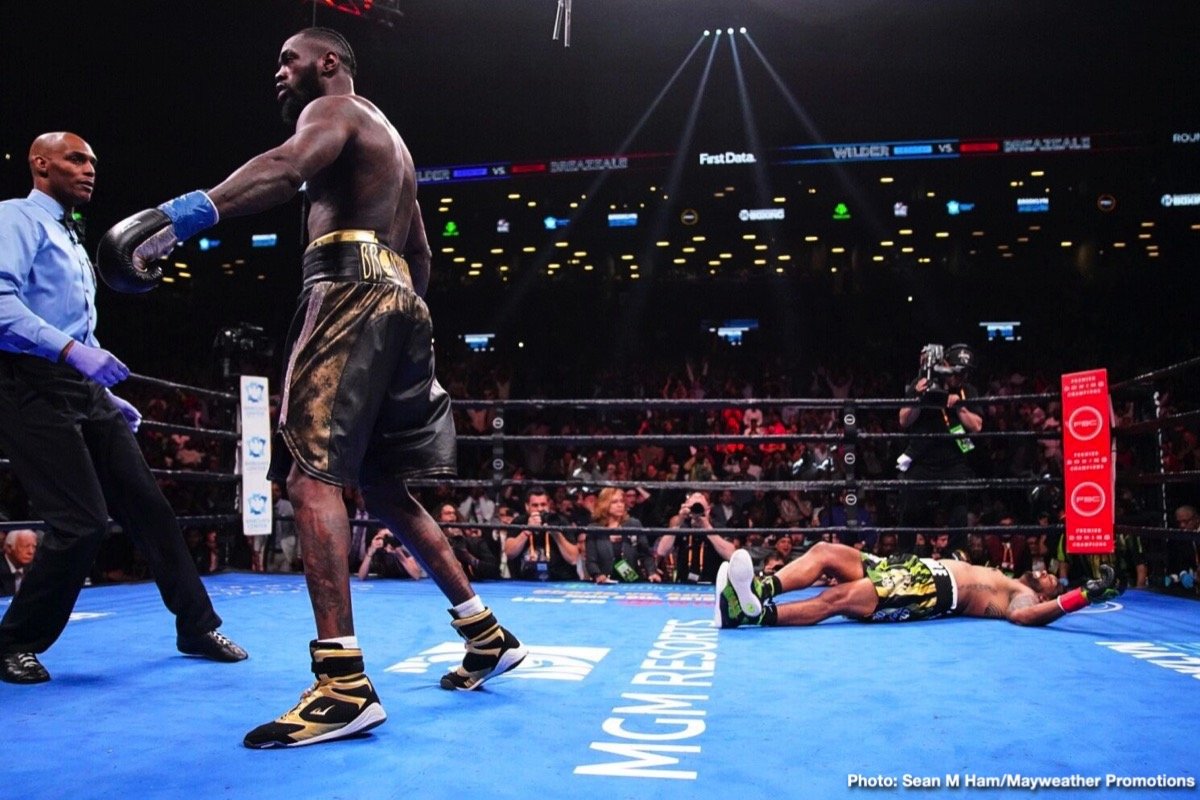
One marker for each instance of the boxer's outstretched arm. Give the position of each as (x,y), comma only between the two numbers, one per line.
(1024,609)
(274,177)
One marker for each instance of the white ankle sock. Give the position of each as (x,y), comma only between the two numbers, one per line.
(468,607)
(348,642)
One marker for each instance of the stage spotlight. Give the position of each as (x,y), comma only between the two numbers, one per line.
(562,22)
(741,30)
(718,31)
(730,31)
(707,33)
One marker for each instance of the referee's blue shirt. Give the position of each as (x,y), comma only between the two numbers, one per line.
(47,286)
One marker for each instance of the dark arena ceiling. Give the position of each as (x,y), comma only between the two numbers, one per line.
(845,173)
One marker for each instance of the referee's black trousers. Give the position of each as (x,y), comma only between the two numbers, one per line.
(73,453)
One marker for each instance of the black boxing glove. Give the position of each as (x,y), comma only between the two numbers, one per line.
(117,259)
(127,253)
(1093,592)
(1104,588)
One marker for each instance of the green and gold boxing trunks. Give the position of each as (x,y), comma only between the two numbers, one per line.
(910,588)
(360,399)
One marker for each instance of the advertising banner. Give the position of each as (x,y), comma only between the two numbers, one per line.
(1089,473)
(254,456)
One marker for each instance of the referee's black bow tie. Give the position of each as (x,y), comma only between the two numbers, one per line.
(74,226)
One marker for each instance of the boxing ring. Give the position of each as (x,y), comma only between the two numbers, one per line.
(629,691)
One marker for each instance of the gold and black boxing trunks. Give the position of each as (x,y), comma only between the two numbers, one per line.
(910,588)
(360,399)
(354,256)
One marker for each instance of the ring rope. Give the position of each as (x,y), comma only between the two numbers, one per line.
(731,438)
(1137,380)
(1157,423)
(818,529)
(961,484)
(1157,533)
(731,402)
(159,382)
(170,427)
(178,474)
(1144,478)
(196,519)
(196,475)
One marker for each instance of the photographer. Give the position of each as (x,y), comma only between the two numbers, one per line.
(387,558)
(541,552)
(696,557)
(946,406)
(479,557)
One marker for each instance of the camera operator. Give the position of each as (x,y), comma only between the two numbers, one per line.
(542,552)
(387,558)
(946,406)
(697,557)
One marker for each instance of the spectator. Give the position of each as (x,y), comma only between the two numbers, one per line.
(497,538)
(784,548)
(1186,555)
(772,564)
(285,549)
(979,554)
(474,553)
(886,544)
(699,466)
(843,515)
(478,507)
(360,530)
(635,499)
(618,556)
(726,513)
(568,503)
(939,545)
(211,557)
(20,546)
(1007,552)
(187,455)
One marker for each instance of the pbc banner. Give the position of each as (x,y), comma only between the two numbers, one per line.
(1089,471)
(254,456)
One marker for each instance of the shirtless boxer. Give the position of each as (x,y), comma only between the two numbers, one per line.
(898,588)
(361,405)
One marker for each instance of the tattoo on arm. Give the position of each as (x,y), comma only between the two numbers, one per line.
(991,611)
(1022,601)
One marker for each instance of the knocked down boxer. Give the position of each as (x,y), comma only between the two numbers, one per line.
(898,588)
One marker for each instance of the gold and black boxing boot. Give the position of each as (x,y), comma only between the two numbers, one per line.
(341,703)
(491,651)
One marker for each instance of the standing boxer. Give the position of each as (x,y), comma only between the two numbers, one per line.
(69,439)
(361,405)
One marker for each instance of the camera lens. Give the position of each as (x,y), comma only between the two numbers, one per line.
(697,509)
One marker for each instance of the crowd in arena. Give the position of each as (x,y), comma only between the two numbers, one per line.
(529,519)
